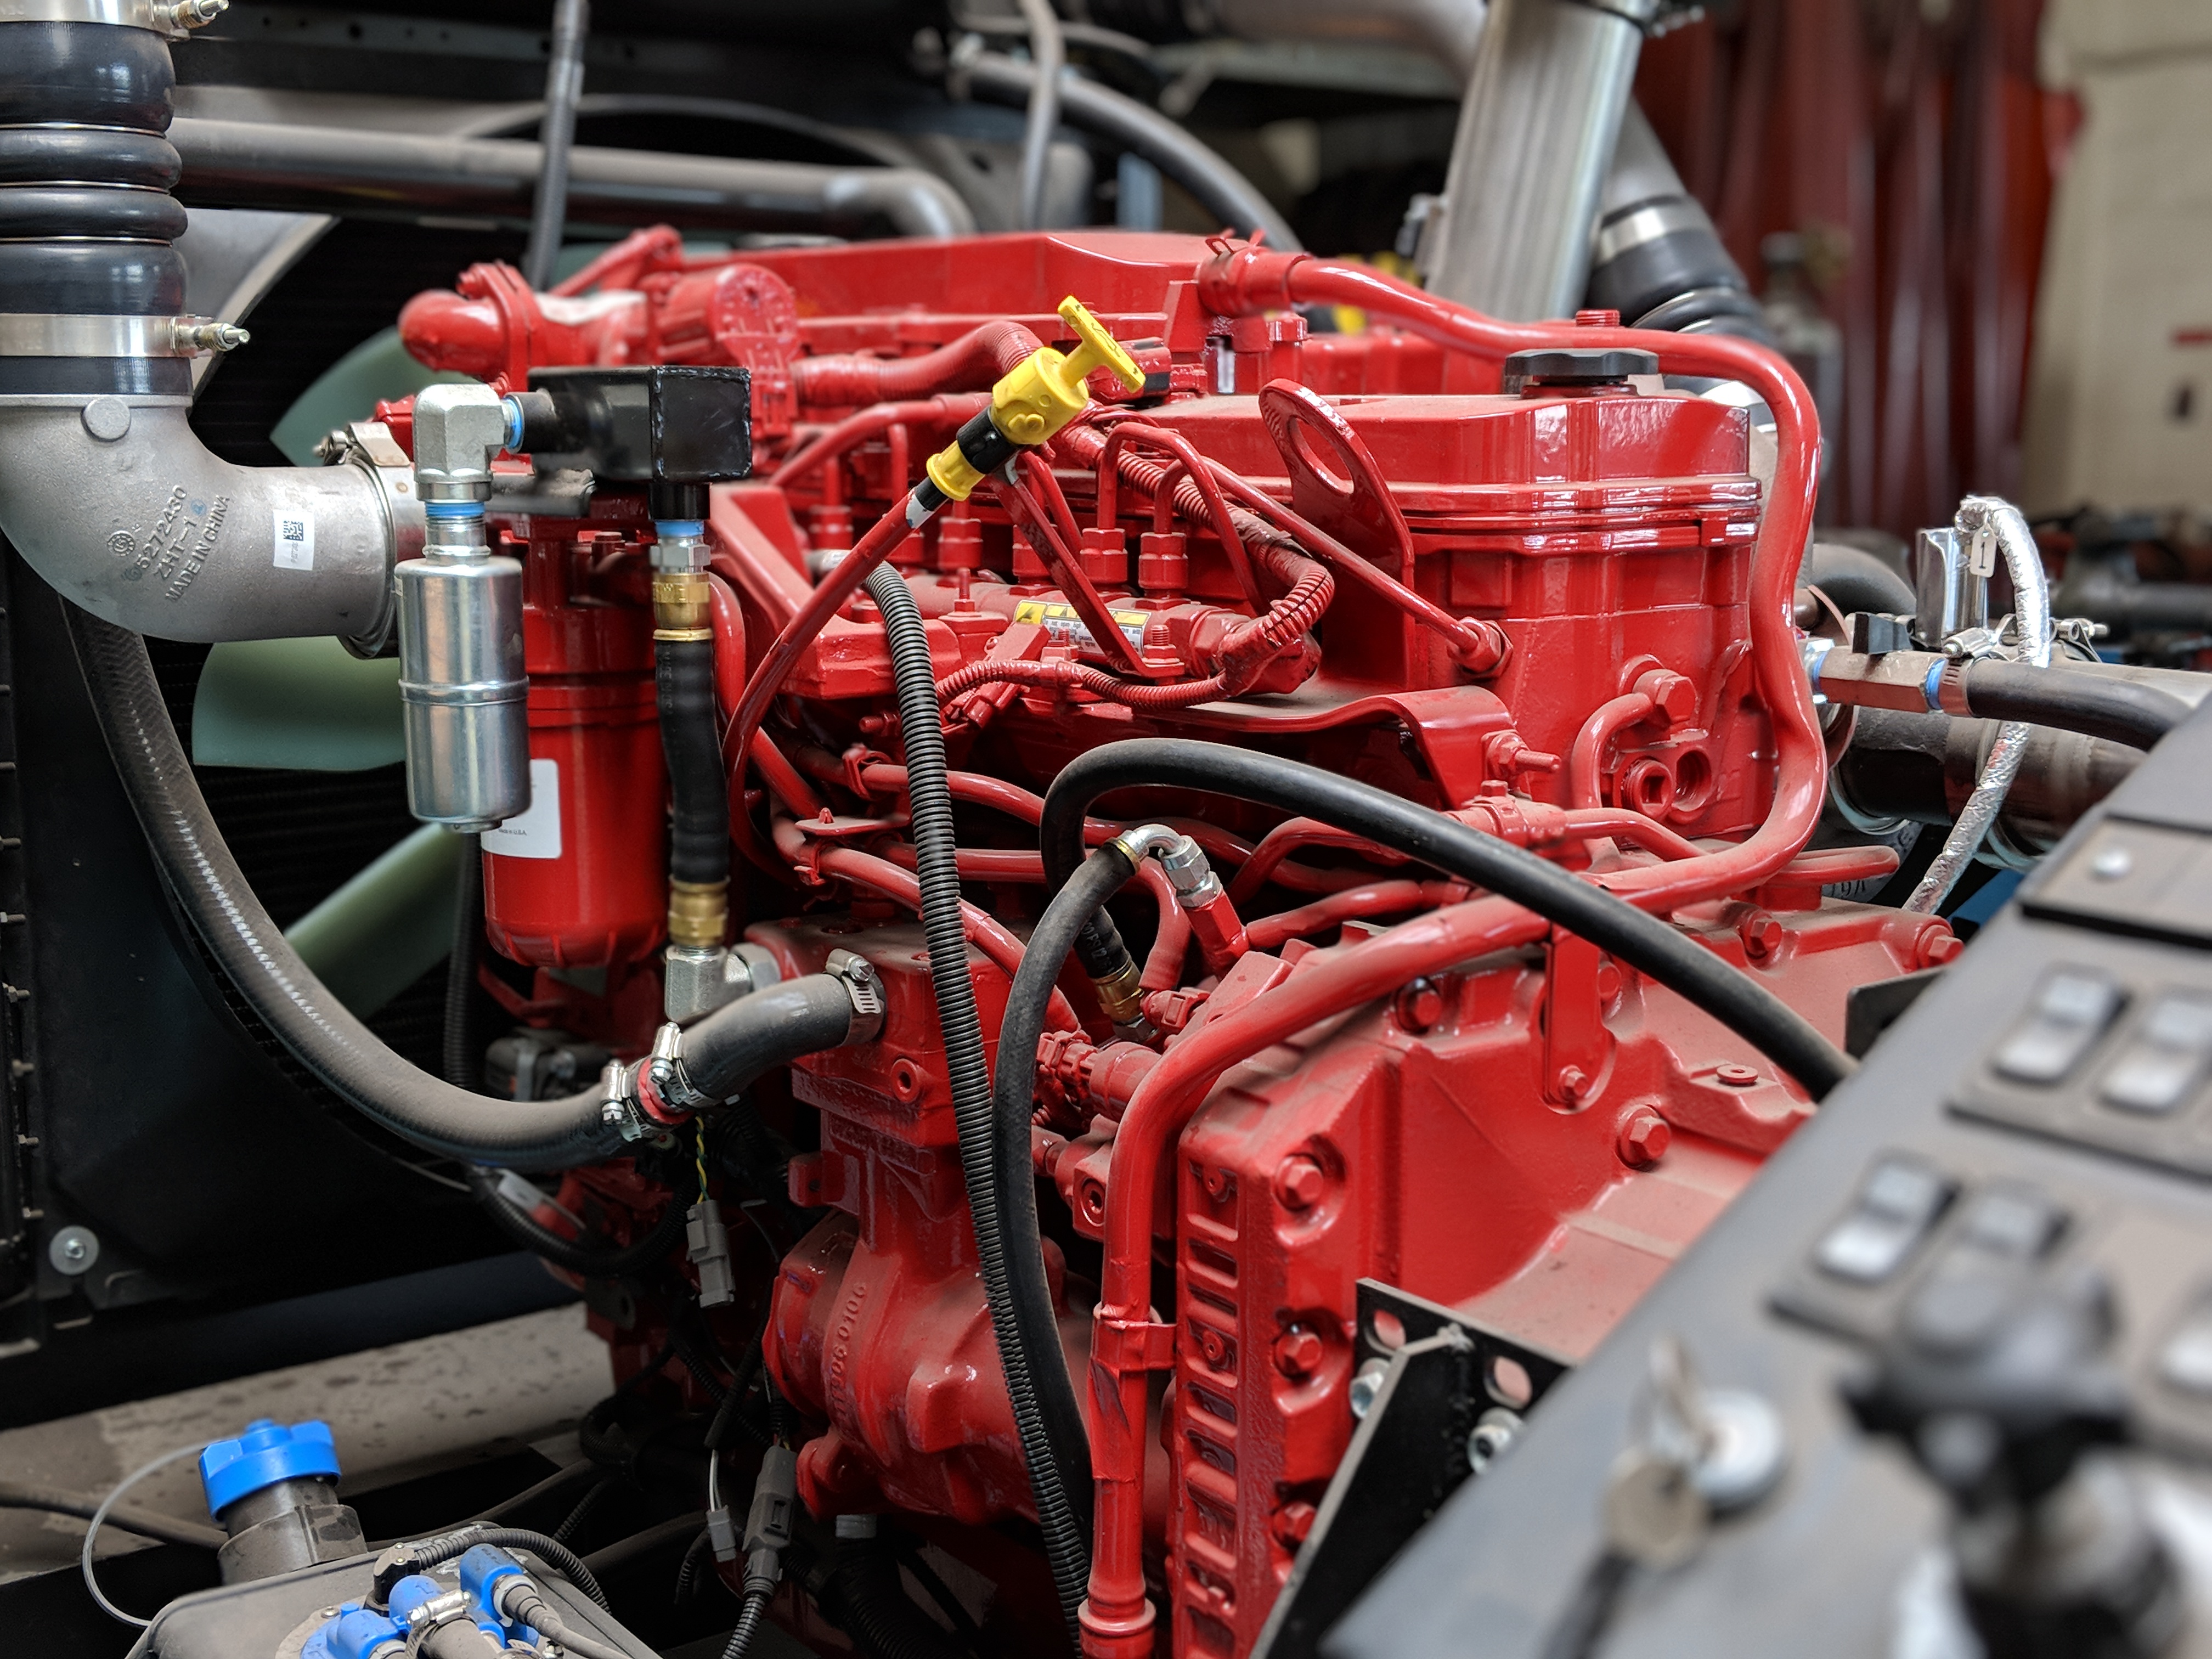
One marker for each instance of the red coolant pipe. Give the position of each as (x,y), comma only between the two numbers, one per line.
(970,363)
(1117,1618)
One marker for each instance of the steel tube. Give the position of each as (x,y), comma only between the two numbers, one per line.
(261,164)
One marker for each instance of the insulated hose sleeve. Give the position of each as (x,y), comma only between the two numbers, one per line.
(253,953)
(690,737)
(2094,705)
(1643,941)
(930,795)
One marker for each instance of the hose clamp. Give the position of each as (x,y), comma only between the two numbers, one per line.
(47,334)
(174,19)
(865,987)
(369,446)
(1646,224)
(1950,688)
(618,1102)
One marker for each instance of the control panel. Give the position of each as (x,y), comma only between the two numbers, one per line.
(1970,1306)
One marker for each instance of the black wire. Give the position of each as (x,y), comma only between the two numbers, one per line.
(1583,1626)
(603,1262)
(1643,941)
(464,1065)
(582,1512)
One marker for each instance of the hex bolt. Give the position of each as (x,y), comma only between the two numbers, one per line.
(1366,1383)
(1493,1431)
(1761,935)
(1644,1139)
(1418,1007)
(1300,1182)
(1292,1523)
(1298,1352)
(1571,1084)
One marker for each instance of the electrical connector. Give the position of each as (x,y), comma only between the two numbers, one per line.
(768,1523)
(709,1243)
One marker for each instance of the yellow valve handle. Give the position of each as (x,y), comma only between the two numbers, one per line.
(1046,391)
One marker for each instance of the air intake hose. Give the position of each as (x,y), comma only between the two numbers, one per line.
(108,491)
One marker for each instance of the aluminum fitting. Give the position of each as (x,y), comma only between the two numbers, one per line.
(1182,859)
(698,979)
(680,546)
(866,988)
(457,429)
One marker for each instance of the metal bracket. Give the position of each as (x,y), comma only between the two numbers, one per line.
(1121,1346)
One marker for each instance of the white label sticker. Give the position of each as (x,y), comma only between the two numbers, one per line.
(536,833)
(295,532)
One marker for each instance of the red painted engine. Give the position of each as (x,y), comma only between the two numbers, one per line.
(1557,609)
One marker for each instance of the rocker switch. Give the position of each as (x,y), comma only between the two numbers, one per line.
(2164,1060)
(1896,1207)
(2073,1008)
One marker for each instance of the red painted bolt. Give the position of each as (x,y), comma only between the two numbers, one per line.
(1300,1182)
(1570,1083)
(1420,1005)
(1292,1523)
(1735,1077)
(1298,1351)
(1761,934)
(1644,1139)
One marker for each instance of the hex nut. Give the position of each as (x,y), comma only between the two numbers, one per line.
(1644,1139)
(1300,1182)
(1298,1352)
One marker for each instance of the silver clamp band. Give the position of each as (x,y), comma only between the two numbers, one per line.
(172,18)
(44,334)
(370,446)
(1646,224)
(865,988)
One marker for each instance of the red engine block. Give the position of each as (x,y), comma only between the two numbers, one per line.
(1528,1134)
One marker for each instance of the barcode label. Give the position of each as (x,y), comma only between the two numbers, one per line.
(294,534)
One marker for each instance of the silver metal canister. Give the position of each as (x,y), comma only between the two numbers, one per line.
(461,677)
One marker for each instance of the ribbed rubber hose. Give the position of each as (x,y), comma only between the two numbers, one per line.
(930,797)
(1013,1102)
(577,1257)
(253,953)
(2094,705)
(1643,941)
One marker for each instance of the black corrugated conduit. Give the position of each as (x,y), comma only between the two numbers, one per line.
(1030,1371)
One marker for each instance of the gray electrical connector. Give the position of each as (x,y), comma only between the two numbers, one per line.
(710,1254)
(767,1524)
(461,681)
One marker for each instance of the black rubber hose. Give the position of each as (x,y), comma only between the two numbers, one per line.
(930,803)
(1228,197)
(741,1041)
(124,1517)
(606,1262)
(691,736)
(253,954)
(2069,700)
(463,1062)
(87,221)
(865,1596)
(749,1619)
(1013,1101)
(1643,941)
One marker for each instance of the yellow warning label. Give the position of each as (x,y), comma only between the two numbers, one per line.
(1062,622)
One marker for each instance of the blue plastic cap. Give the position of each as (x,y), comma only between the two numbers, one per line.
(482,1568)
(265,1454)
(669,529)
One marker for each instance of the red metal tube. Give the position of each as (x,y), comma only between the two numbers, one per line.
(972,362)
(857,428)
(1379,898)
(1606,723)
